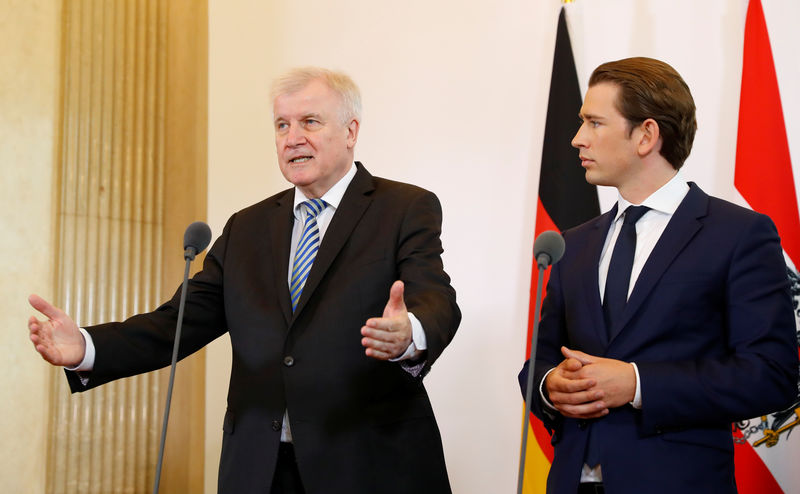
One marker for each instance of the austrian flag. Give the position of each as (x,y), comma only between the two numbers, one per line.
(767,447)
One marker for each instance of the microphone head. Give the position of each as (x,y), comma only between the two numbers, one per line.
(195,239)
(548,248)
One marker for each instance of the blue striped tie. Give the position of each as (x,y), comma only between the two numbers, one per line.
(307,249)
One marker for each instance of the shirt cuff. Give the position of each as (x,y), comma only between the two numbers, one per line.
(541,390)
(418,341)
(637,397)
(87,364)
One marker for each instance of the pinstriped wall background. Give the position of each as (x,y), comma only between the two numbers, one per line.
(110,215)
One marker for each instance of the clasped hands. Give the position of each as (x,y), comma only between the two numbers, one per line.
(583,386)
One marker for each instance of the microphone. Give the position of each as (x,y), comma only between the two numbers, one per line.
(195,239)
(548,248)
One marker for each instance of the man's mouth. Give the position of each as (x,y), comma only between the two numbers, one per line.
(300,159)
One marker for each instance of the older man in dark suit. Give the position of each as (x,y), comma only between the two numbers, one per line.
(668,318)
(326,392)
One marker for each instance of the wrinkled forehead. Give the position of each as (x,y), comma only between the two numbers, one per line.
(316,97)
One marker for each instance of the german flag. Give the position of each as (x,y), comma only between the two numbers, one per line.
(565,200)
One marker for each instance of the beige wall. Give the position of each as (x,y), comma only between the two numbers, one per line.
(454,100)
(30,76)
(29,40)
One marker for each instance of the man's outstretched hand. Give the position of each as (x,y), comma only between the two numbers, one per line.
(389,336)
(57,338)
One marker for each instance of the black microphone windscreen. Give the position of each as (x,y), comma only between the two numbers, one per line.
(551,244)
(197,236)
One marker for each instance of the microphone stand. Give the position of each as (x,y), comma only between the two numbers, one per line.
(189,255)
(531,362)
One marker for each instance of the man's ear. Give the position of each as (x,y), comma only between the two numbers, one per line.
(649,136)
(352,133)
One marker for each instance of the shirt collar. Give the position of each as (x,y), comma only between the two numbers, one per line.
(665,200)
(334,195)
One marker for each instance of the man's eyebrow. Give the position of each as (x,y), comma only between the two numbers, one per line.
(588,116)
(304,117)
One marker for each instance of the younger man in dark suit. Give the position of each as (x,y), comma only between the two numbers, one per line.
(668,318)
(326,392)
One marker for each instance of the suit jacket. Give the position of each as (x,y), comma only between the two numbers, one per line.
(710,326)
(358,424)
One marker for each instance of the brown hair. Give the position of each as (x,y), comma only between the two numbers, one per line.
(650,88)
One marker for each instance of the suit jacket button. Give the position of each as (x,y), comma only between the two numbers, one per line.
(288,361)
(582,424)
(276,426)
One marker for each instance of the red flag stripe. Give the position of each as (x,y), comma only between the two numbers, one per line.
(752,474)
(543,223)
(763,165)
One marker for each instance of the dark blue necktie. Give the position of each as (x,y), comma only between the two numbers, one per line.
(616,294)
(619,270)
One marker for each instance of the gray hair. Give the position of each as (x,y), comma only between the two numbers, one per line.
(298,78)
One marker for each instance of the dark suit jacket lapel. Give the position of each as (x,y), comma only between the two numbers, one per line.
(684,224)
(591,284)
(354,202)
(281,230)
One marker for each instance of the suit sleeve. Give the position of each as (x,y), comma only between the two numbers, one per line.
(428,293)
(144,342)
(756,373)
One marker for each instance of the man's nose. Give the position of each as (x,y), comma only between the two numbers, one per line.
(578,141)
(295,135)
